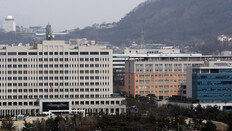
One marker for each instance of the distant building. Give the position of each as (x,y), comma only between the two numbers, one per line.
(163,50)
(226,53)
(120,58)
(37,29)
(82,41)
(9,24)
(210,84)
(225,38)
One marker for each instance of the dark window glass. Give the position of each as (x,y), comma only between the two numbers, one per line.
(22,53)
(12,53)
(73,53)
(2,53)
(20,59)
(94,53)
(104,53)
(66,53)
(45,53)
(61,53)
(50,53)
(32,53)
(40,53)
(84,53)
(55,53)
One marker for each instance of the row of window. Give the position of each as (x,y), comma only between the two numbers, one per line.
(162,76)
(55,90)
(57,72)
(53,59)
(57,78)
(57,84)
(54,53)
(162,65)
(158,92)
(160,87)
(51,96)
(160,81)
(160,70)
(73,103)
(54,66)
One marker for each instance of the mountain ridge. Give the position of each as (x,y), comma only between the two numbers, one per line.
(168,20)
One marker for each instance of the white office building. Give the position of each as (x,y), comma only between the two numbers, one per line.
(54,75)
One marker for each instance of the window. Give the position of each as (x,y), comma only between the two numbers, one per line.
(24,59)
(84,53)
(20,59)
(12,53)
(2,53)
(104,53)
(96,59)
(32,53)
(22,53)
(94,53)
(73,53)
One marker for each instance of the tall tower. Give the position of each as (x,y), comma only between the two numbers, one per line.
(142,37)
(9,24)
(49,35)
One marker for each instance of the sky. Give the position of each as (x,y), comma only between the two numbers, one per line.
(66,14)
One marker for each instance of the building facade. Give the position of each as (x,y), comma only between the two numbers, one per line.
(163,76)
(210,84)
(54,75)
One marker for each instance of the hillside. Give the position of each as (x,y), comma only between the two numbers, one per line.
(168,20)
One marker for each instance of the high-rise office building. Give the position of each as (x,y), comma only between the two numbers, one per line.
(54,75)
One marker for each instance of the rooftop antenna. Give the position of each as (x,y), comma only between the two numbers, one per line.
(142,37)
(49,35)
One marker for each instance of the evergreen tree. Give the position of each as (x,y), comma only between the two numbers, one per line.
(7,123)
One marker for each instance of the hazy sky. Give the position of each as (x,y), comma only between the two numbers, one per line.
(66,14)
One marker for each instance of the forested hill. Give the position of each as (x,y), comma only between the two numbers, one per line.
(168,20)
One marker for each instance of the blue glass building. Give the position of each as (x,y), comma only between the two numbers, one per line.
(210,84)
